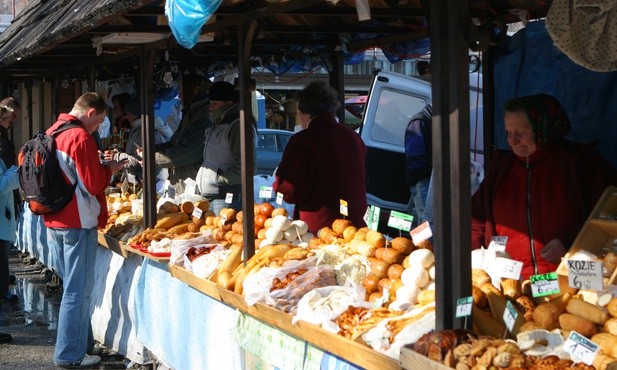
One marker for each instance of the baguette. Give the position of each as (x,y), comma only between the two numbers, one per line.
(587,310)
(180,229)
(171,219)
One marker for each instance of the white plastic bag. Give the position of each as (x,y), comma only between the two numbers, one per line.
(180,246)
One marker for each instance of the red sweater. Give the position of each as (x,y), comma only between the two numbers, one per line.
(532,202)
(320,166)
(78,156)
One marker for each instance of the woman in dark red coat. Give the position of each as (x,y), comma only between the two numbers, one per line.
(323,163)
(540,193)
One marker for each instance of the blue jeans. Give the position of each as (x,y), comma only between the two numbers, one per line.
(74,251)
(419,193)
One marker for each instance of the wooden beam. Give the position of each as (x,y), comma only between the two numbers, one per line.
(386,40)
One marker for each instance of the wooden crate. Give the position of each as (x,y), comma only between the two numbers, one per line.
(598,232)
(412,360)
(203,285)
(112,244)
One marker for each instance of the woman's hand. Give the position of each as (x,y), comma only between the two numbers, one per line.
(553,251)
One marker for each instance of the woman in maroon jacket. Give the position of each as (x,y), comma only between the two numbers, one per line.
(323,163)
(540,193)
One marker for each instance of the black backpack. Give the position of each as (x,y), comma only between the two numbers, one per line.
(40,175)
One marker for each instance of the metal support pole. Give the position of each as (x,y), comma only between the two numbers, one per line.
(245,41)
(449,66)
(146,61)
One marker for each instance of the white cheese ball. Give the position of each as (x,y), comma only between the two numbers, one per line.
(281,222)
(408,294)
(290,234)
(431,272)
(301,226)
(416,276)
(421,257)
(274,234)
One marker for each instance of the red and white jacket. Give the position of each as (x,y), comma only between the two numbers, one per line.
(78,156)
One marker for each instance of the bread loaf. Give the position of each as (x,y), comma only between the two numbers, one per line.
(587,310)
(547,316)
(569,322)
(170,220)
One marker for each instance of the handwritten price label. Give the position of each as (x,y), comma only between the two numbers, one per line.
(580,348)
(372,217)
(229,198)
(498,243)
(265,192)
(507,268)
(421,233)
(463,306)
(279,198)
(585,275)
(509,316)
(343,207)
(399,220)
(544,284)
(197,212)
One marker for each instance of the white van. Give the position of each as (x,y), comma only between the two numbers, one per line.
(393,99)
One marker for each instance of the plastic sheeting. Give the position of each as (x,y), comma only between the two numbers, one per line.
(186,17)
(528,63)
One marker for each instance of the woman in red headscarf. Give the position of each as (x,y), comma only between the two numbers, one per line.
(540,192)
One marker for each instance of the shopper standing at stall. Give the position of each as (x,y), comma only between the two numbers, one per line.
(182,154)
(221,170)
(9,111)
(419,159)
(71,232)
(322,164)
(540,193)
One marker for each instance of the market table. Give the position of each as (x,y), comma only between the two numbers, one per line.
(213,335)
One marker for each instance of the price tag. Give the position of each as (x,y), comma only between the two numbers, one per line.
(265,192)
(343,207)
(463,306)
(498,243)
(585,275)
(279,198)
(580,348)
(509,316)
(372,217)
(197,212)
(229,198)
(421,233)
(399,220)
(507,268)
(544,284)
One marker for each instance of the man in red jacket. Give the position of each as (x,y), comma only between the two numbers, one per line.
(323,164)
(71,232)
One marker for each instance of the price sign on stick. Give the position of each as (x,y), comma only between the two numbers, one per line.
(343,207)
(372,217)
(507,268)
(509,316)
(279,198)
(463,306)
(580,348)
(265,192)
(421,233)
(197,212)
(229,198)
(399,220)
(585,275)
(544,284)
(498,243)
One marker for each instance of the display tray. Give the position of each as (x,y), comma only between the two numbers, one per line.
(203,285)
(112,244)
(412,360)
(352,351)
(146,254)
(606,208)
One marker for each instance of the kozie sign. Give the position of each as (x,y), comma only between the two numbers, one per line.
(585,275)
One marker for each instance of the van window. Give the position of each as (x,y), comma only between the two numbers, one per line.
(392,115)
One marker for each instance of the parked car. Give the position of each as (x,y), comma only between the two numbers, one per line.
(270,146)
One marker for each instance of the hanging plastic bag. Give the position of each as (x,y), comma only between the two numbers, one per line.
(186,17)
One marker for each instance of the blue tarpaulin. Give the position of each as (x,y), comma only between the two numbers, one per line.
(528,63)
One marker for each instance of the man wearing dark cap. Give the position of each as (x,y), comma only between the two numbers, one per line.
(220,171)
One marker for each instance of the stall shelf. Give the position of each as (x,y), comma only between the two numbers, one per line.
(346,349)
(112,244)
